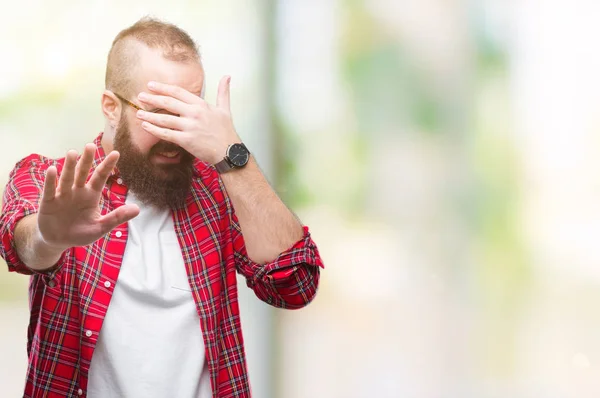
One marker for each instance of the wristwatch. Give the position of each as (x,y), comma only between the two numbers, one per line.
(236,157)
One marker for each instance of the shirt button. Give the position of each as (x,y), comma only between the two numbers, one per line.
(80,392)
(51,284)
(120,181)
(107,284)
(88,333)
(118,234)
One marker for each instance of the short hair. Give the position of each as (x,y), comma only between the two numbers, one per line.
(177,45)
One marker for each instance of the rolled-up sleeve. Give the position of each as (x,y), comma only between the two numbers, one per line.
(290,281)
(21,198)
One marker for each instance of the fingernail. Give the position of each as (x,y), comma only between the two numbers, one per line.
(145,125)
(152,84)
(140,114)
(228,79)
(142,96)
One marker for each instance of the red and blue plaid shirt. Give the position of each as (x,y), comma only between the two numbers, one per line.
(68,302)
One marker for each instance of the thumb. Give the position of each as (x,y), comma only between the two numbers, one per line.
(223,93)
(120,215)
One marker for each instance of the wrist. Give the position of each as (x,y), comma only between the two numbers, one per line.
(45,246)
(220,153)
(31,248)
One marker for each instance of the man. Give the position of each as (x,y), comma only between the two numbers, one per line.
(133,247)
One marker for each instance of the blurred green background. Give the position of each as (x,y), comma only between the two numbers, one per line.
(445,154)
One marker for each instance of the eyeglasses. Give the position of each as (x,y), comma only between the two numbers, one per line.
(137,107)
(128,102)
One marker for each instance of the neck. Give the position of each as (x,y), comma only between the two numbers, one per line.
(107,139)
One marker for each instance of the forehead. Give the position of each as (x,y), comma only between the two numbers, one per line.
(152,66)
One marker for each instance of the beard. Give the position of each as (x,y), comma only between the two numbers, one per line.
(159,185)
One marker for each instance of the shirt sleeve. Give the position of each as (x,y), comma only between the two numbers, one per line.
(290,281)
(21,198)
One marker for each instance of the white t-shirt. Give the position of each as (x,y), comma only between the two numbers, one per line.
(150,344)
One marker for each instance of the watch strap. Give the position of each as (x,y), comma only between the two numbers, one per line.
(223,166)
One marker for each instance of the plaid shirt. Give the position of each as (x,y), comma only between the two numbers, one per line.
(68,302)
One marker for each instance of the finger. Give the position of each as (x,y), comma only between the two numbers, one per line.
(65,182)
(176,92)
(82,170)
(118,216)
(163,102)
(173,136)
(102,172)
(49,191)
(163,120)
(223,93)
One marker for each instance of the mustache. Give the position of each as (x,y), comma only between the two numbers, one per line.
(165,146)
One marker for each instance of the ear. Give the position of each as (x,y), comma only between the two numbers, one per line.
(203,89)
(111,108)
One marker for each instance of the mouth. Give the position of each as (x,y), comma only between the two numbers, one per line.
(168,157)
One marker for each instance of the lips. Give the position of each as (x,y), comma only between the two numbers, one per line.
(170,154)
(166,151)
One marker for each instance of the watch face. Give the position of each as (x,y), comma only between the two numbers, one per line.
(238,155)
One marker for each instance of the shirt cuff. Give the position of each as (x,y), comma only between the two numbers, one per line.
(19,210)
(304,252)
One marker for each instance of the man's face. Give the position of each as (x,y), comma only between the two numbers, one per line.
(158,172)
